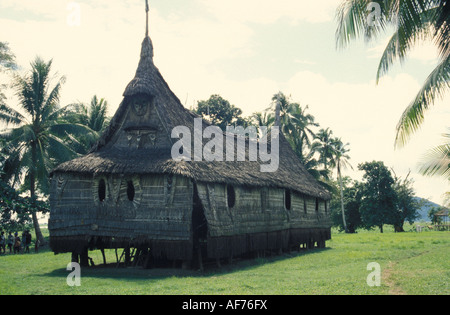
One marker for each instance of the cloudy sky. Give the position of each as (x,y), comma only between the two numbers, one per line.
(246,51)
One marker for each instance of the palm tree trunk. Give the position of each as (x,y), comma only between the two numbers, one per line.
(37,228)
(342,199)
(277,112)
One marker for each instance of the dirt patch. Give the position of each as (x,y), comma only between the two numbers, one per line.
(394,289)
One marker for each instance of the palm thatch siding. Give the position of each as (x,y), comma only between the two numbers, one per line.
(129,192)
(79,218)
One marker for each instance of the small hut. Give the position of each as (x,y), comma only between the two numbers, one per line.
(129,191)
(443,220)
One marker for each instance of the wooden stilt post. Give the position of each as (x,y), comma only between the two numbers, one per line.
(84,258)
(75,257)
(103,254)
(200,259)
(147,263)
(127,256)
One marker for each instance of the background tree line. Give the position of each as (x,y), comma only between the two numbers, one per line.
(380,198)
(38,134)
(407,23)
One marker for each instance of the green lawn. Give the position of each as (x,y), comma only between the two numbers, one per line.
(411,263)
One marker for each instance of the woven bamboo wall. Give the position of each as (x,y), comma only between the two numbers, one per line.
(160,215)
(161,209)
(258,210)
(259,220)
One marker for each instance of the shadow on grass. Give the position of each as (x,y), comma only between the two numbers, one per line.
(111,271)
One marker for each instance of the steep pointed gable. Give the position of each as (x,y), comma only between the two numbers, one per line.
(138,141)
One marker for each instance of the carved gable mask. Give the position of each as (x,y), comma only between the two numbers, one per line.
(141,104)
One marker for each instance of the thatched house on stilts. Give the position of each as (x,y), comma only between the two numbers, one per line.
(129,192)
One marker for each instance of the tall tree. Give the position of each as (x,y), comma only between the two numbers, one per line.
(220,112)
(412,21)
(324,144)
(304,122)
(379,200)
(352,196)
(35,145)
(297,125)
(340,160)
(407,203)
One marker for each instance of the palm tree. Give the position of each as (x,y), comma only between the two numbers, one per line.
(94,116)
(97,119)
(303,133)
(340,160)
(7,58)
(295,123)
(413,21)
(324,145)
(287,111)
(264,119)
(7,62)
(436,162)
(35,145)
(313,166)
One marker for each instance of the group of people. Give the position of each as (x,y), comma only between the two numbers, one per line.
(15,243)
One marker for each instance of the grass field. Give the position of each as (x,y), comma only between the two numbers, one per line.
(411,263)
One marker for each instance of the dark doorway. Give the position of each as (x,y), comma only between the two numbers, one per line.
(199,224)
(199,228)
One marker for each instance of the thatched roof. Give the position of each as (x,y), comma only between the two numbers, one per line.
(105,158)
(442,213)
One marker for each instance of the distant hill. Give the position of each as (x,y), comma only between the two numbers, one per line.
(423,212)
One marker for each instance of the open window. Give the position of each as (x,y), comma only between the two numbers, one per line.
(231,196)
(102,190)
(130,190)
(287,199)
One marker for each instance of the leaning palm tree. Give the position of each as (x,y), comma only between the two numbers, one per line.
(340,160)
(34,144)
(412,21)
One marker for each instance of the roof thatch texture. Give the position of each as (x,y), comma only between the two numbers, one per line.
(105,158)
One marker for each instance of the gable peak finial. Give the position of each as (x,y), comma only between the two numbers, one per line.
(146,13)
